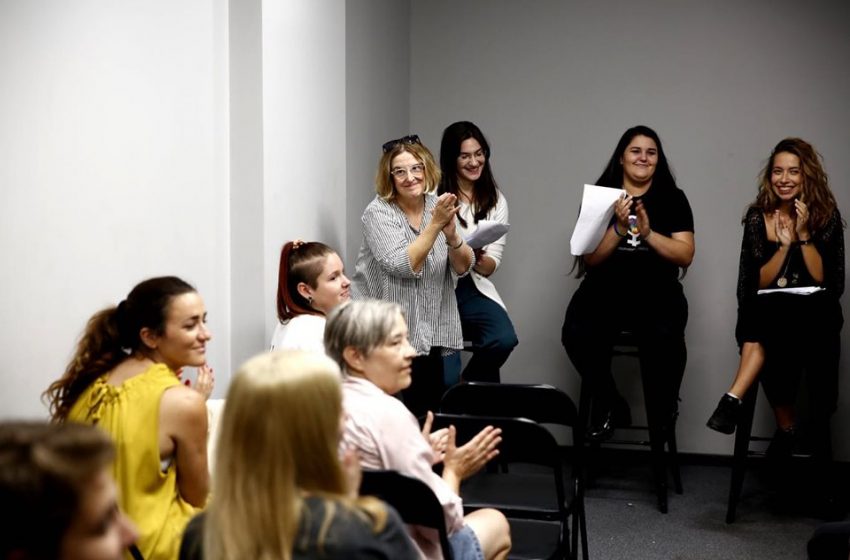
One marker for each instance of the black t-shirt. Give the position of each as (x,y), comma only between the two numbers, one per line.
(634,264)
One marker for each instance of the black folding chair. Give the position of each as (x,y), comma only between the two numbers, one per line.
(412,498)
(541,403)
(533,499)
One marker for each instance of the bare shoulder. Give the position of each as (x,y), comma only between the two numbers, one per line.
(182,403)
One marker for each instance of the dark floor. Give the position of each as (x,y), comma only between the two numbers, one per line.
(624,522)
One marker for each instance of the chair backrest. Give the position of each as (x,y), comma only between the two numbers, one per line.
(413,499)
(542,403)
(523,441)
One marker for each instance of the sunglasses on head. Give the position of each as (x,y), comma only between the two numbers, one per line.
(411,139)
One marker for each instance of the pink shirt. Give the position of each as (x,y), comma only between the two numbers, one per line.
(387,436)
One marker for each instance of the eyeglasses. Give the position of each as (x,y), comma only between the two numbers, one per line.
(411,139)
(400,173)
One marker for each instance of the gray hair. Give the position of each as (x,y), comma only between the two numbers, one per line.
(362,324)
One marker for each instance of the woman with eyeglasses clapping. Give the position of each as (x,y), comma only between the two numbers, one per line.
(411,249)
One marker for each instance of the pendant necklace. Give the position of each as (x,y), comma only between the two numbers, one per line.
(783,281)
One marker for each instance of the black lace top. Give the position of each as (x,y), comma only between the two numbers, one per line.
(756,250)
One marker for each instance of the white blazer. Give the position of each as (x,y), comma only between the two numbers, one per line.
(498,213)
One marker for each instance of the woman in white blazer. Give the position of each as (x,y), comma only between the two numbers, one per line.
(465,162)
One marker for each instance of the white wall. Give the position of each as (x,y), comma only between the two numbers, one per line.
(113,143)
(119,163)
(554,84)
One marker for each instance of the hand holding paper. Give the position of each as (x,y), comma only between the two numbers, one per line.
(597,207)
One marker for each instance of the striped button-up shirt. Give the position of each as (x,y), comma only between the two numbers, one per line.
(383,271)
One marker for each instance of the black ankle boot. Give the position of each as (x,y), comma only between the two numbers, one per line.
(606,416)
(725,416)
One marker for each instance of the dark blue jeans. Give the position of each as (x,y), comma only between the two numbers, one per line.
(487,326)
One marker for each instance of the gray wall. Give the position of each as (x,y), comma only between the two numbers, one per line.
(377,88)
(239,153)
(553,84)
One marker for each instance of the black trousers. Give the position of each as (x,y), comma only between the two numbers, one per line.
(595,318)
(427,387)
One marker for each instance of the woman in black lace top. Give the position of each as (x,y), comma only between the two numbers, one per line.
(793,242)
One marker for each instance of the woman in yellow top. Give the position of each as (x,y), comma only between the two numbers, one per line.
(124,377)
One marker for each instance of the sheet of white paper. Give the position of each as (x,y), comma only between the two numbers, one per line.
(597,207)
(799,291)
(488,231)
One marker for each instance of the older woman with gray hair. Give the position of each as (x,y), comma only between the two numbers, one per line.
(369,341)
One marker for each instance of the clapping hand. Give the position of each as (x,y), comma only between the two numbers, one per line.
(204,381)
(445,210)
(801,225)
(468,459)
(642,219)
(438,439)
(444,214)
(622,208)
(784,228)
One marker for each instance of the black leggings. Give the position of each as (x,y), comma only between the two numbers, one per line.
(596,317)
(799,334)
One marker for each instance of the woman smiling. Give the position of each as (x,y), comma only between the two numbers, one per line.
(631,283)
(124,379)
(411,253)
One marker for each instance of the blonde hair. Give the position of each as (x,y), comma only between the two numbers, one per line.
(384,185)
(279,439)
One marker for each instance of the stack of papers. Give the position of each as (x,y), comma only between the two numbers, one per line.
(597,208)
(799,291)
(488,231)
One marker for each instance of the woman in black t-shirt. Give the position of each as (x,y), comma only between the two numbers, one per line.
(631,284)
(793,239)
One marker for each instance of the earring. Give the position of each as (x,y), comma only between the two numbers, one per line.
(310,300)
